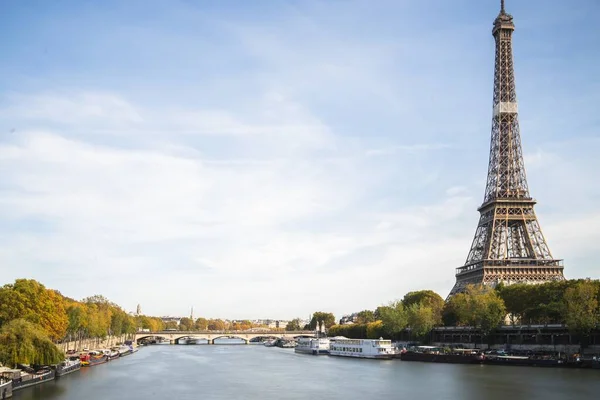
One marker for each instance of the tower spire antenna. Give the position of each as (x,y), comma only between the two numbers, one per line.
(502,6)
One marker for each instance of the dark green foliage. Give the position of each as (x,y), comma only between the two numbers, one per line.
(427,298)
(293,325)
(321,320)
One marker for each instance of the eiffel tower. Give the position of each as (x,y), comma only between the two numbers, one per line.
(509,246)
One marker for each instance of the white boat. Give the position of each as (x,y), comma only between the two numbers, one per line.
(124,350)
(362,348)
(312,346)
(111,354)
(270,343)
(5,388)
(71,364)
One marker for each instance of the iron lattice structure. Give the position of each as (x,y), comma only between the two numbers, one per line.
(509,246)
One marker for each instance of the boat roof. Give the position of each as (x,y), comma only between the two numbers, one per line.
(6,369)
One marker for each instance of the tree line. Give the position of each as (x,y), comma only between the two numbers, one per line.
(33,317)
(574,303)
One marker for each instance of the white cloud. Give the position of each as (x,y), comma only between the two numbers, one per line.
(255,169)
(72,108)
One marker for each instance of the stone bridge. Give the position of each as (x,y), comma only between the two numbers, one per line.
(210,336)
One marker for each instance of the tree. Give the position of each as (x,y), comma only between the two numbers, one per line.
(293,325)
(393,317)
(375,330)
(353,331)
(365,316)
(22,342)
(534,304)
(201,324)
(421,319)
(581,307)
(321,320)
(427,298)
(377,313)
(29,299)
(216,325)
(245,325)
(478,306)
(171,325)
(186,324)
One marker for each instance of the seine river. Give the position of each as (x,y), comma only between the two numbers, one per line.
(257,372)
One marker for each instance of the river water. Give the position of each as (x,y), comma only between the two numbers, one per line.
(256,372)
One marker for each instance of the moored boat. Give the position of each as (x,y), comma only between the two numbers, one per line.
(72,364)
(362,348)
(28,376)
(124,350)
(499,359)
(93,358)
(286,344)
(438,355)
(111,354)
(5,388)
(312,346)
(270,343)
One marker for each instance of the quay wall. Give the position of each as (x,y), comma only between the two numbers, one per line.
(563,348)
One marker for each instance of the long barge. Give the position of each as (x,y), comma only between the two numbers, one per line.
(5,388)
(437,355)
(21,379)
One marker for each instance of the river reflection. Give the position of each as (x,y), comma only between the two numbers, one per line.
(257,372)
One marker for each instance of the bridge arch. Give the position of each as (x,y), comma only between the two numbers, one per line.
(229,336)
(151,337)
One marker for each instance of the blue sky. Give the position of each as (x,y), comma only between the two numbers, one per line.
(268,159)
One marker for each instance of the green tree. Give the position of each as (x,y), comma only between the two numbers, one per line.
(365,316)
(478,306)
(293,325)
(427,298)
(321,320)
(581,307)
(26,343)
(377,313)
(352,331)
(394,318)
(421,319)
(535,304)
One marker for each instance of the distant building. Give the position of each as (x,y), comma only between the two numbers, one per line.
(271,323)
(177,320)
(348,319)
